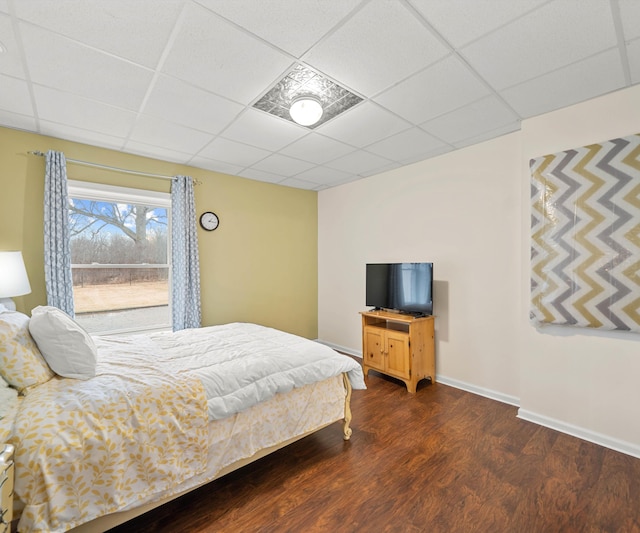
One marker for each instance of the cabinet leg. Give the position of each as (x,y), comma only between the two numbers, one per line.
(411,385)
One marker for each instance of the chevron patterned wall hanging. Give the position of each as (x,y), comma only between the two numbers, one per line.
(585,236)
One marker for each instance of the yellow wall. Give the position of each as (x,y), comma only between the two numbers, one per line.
(259,266)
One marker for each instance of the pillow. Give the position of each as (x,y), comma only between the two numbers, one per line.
(21,363)
(65,345)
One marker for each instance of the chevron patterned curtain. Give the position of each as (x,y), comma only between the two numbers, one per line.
(585,236)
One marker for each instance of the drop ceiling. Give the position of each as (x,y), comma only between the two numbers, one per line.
(177,79)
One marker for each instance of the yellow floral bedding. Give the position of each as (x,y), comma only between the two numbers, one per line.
(267,424)
(89,448)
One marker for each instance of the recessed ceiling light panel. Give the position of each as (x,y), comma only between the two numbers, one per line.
(302,87)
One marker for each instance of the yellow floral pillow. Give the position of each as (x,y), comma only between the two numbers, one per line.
(21,363)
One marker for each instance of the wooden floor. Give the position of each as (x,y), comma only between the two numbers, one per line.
(442,460)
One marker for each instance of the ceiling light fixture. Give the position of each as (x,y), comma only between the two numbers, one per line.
(306,110)
(305,88)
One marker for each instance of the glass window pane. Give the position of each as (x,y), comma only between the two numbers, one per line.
(119,255)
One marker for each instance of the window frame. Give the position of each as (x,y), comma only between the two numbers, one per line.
(129,195)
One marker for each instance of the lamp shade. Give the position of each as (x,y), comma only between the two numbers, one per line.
(13,275)
(306,111)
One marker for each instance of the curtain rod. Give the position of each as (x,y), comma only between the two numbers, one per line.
(124,170)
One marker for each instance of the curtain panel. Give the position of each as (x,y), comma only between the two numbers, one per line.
(185,262)
(57,244)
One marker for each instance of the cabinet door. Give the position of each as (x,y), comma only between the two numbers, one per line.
(398,363)
(374,348)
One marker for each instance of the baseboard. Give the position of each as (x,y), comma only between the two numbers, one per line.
(581,433)
(551,423)
(343,349)
(480,391)
(487,393)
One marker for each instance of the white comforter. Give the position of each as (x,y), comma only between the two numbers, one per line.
(239,365)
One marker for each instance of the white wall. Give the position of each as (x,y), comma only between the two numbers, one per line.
(461,211)
(468,212)
(581,381)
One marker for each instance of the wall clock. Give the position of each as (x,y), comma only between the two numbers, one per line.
(209,220)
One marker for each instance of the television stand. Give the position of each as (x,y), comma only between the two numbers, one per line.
(399,345)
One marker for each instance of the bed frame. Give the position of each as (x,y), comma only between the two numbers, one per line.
(109,521)
(6,488)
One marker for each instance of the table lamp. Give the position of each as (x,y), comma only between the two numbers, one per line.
(13,278)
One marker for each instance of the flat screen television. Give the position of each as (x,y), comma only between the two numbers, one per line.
(403,287)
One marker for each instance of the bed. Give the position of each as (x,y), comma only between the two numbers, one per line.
(146,418)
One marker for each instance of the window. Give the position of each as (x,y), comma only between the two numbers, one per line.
(120,243)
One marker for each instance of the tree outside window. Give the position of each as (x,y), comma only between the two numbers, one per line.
(120,261)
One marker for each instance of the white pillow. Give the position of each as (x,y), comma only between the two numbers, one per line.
(66,346)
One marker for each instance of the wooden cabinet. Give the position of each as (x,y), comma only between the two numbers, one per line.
(401,346)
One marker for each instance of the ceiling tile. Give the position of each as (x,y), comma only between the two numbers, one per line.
(263,131)
(233,152)
(317,149)
(442,87)
(14,95)
(443,149)
(408,144)
(177,79)
(385,168)
(283,165)
(633,50)
(217,166)
(184,104)
(163,134)
(81,135)
(213,54)
(323,175)
(298,184)
(364,124)
(10,119)
(471,120)
(380,43)
(463,21)
(112,81)
(260,175)
(293,25)
(488,135)
(137,31)
(578,82)
(359,162)
(10,60)
(157,152)
(70,110)
(630,15)
(553,36)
